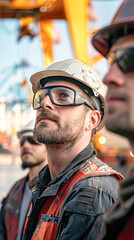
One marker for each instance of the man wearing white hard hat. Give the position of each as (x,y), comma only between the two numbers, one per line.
(75,187)
(16,204)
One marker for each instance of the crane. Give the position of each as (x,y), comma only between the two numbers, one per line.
(43,12)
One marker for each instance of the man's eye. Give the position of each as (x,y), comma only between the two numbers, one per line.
(64,95)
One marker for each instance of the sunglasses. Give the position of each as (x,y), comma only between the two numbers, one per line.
(124,59)
(60,96)
(29,139)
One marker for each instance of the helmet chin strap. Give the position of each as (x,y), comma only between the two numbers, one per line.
(95,130)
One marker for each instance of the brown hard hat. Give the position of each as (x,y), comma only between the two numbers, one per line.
(121,25)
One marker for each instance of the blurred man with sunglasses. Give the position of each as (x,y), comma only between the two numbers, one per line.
(75,187)
(116,43)
(16,204)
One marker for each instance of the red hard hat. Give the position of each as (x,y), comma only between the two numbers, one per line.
(121,25)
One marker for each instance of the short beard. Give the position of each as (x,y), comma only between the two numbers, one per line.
(62,135)
(127,133)
(121,126)
(25,165)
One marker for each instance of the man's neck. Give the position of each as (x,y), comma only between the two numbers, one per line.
(34,171)
(59,157)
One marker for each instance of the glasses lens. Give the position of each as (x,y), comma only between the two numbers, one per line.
(58,95)
(29,139)
(124,58)
(62,96)
(38,98)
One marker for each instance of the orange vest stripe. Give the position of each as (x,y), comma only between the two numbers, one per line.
(48,219)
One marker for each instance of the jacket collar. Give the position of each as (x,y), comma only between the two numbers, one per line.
(43,181)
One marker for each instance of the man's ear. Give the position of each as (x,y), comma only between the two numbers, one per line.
(93,120)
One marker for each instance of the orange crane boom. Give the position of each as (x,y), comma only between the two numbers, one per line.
(43,12)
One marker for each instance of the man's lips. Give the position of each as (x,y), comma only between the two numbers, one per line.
(45,118)
(26,153)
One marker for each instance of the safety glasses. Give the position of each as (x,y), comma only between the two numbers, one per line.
(124,59)
(60,96)
(29,139)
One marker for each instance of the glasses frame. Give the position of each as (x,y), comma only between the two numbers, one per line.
(121,56)
(77,101)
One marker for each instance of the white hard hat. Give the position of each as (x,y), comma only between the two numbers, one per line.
(27,130)
(74,69)
(78,73)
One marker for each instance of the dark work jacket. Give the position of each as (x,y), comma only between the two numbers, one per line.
(88,197)
(118,222)
(10,210)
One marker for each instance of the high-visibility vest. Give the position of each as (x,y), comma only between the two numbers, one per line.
(47,223)
(12,209)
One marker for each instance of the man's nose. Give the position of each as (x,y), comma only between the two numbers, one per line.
(114,76)
(47,103)
(25,143)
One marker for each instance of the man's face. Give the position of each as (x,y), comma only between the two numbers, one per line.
(32,154)
(60,124)
(120,95)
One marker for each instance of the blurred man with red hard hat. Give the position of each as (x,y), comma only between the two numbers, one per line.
(116,43)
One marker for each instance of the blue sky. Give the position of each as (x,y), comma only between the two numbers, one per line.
(13,52)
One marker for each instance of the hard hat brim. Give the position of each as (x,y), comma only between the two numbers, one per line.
(35,78)
(27,133)
(100,40)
